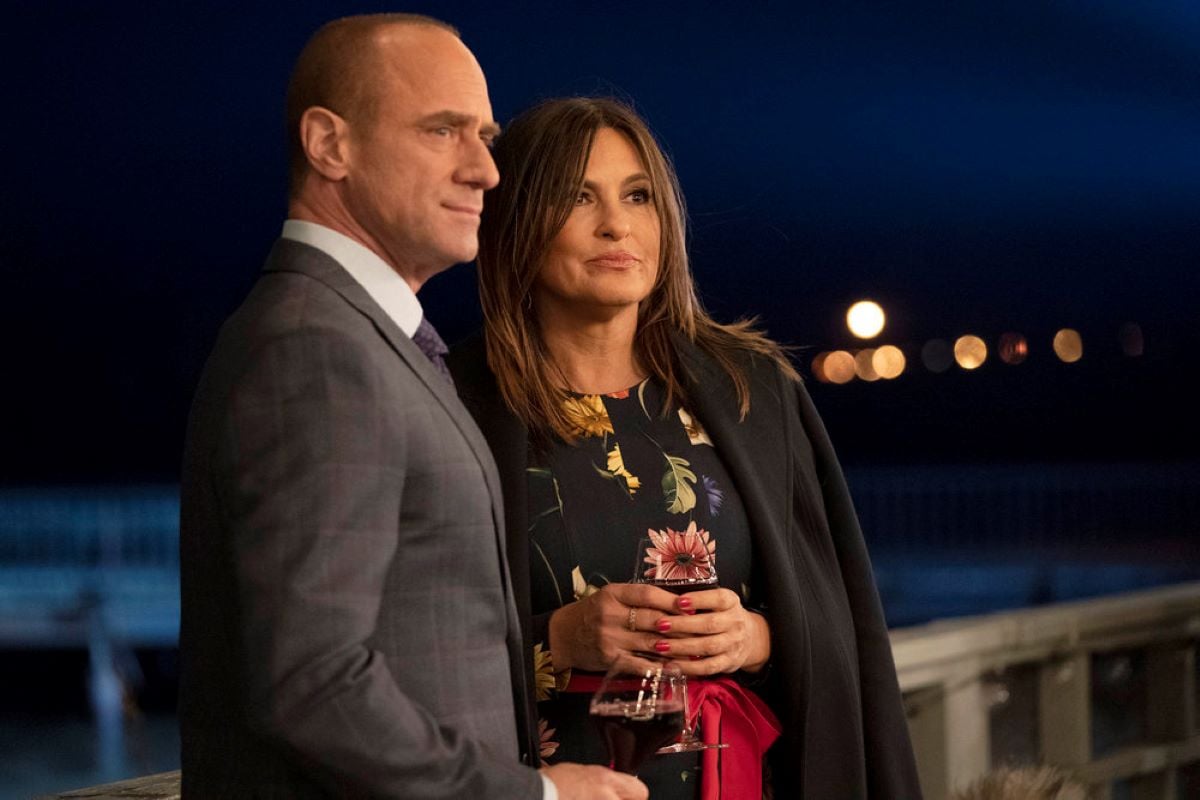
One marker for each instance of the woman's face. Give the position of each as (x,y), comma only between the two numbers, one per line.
(605,258)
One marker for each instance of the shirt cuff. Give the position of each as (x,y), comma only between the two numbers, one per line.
(550,791)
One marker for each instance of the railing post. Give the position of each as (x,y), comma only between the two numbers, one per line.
(1159,786)
(927,727)
(1171,691)
(1065,710)
(951,733)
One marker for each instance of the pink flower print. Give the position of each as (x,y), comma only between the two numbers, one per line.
(680,555)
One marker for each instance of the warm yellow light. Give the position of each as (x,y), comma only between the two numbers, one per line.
(818,366)
(1133,343)
(865,319)
(969,351)
(936,355)
(839,367)
(1068,345)
(1013,348)
(862,365)
(888,361)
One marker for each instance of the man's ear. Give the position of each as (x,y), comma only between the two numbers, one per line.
(324,136)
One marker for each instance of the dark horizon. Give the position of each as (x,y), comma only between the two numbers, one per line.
(975,169)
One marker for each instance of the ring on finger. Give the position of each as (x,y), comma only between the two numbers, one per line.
(631,621)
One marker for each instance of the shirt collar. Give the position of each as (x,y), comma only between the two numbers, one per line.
(381,282)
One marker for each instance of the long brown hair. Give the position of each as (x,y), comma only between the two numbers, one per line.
(542,156)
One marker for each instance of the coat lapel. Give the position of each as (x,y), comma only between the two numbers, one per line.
(753,449)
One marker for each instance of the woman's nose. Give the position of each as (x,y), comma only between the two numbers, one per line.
(615,225)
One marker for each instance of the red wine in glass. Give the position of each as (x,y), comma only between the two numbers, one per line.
(639,707)
(680,562)
(631,737)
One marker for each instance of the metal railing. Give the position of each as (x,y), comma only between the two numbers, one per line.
(961,676)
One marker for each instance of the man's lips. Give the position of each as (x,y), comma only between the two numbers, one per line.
(464,209)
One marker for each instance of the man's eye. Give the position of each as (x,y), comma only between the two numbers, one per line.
(444,130)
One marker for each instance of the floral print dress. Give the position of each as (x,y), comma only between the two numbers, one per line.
(632,473)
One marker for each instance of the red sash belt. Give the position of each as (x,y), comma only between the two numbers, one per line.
(729,713)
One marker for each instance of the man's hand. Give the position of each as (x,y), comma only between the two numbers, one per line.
(590,782)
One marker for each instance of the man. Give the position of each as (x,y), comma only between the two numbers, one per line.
(348,625)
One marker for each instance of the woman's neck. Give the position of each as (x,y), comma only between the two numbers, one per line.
(594,356)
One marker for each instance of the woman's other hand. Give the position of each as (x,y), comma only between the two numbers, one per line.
(727,639)
(593,632)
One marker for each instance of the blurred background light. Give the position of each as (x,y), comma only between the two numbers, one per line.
(839,367)
(1013,348)
(865,319)
(970,351)
(818,366)
(888,361)
(936,355)
(863,367)
(1068,345)
(1131,339)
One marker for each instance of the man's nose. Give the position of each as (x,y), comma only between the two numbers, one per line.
(478,168)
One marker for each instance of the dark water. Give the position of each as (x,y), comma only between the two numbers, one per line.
(53,752)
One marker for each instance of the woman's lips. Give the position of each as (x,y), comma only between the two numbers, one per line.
(616,259)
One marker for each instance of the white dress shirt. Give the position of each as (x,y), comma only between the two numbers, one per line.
(383,284)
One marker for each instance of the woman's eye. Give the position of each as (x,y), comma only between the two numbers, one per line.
(640,195)
(582,198)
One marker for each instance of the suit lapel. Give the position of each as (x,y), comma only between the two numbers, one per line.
(289,256)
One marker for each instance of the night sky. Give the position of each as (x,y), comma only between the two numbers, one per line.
(973,166)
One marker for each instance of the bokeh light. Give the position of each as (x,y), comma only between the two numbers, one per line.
(839,367)
(865,319)
(1133,343)
(936,355)
(888,361)
(863,367)
(818,366)
(1068,345)
(1013,348)
(970,351)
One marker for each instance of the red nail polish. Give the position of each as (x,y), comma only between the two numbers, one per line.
(684,602)
(662,646)
(663,625)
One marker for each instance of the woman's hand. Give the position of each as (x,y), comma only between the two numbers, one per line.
(726,639)
(593,632)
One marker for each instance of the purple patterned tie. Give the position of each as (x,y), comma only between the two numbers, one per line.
(433,347)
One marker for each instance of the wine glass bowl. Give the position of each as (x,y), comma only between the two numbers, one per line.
(639,707)
(678,561)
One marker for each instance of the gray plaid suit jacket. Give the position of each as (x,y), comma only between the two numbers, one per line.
(348,626)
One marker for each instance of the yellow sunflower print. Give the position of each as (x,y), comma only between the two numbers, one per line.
(587,415)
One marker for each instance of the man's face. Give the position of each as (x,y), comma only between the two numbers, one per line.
(419,169)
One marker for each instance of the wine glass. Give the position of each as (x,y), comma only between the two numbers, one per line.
(679,561)
(639,706)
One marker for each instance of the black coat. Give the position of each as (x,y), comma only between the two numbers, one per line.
(832,681)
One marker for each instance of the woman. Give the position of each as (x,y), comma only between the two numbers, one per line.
(616,408)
